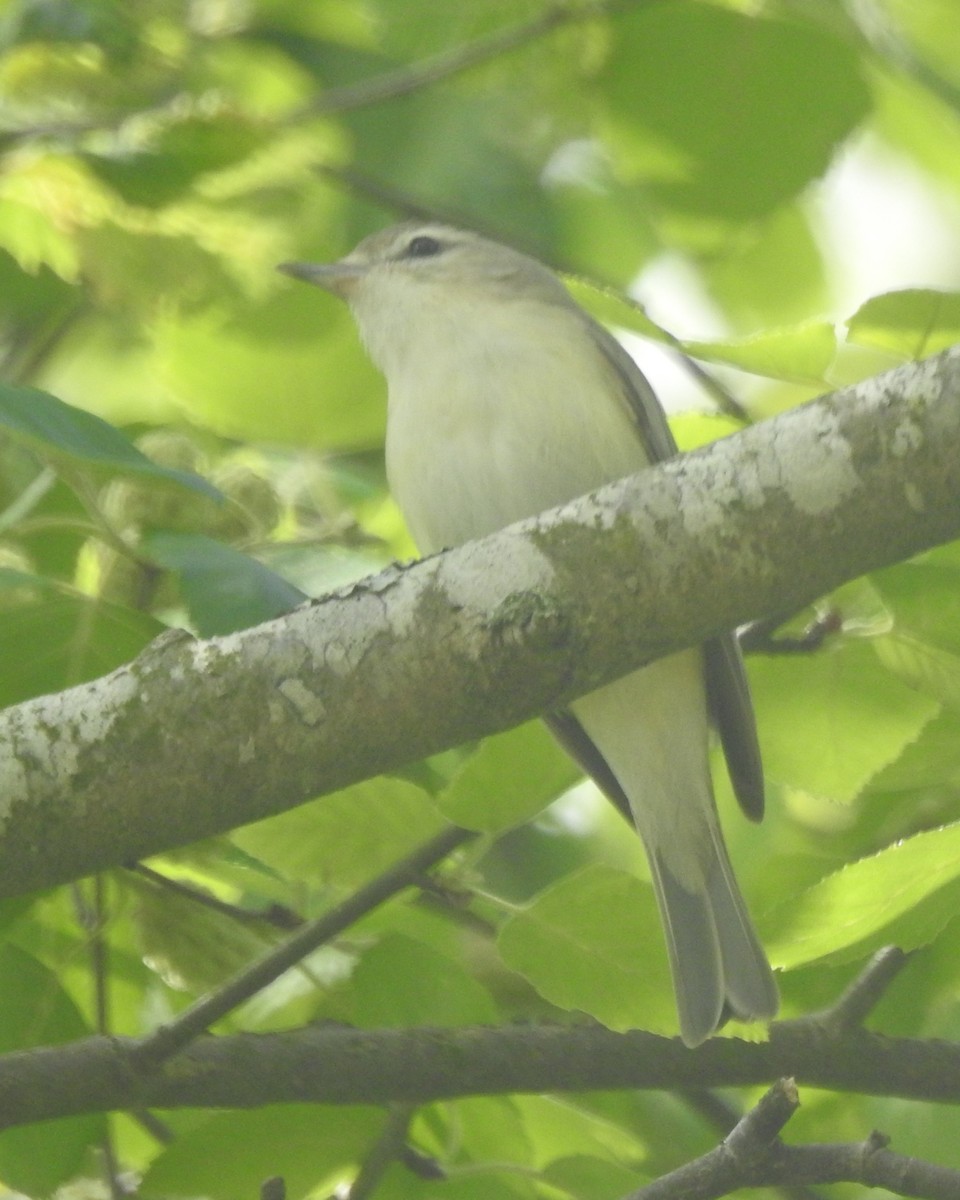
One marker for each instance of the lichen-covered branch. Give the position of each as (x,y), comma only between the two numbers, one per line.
(196,737)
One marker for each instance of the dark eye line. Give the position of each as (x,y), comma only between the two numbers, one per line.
(422,246)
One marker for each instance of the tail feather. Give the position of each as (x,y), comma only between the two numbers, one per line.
(750,986)
(716,958)
(693,949)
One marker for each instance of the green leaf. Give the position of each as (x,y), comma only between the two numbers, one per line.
(614,308)
(912,323)
(924,596)
(508,780)
(223,589)
(694,429)
(60,431)
(932,761)
(313,1146)
(583,1177)
(563,1125)
(345,838)
(914,120)
(702,104)
(905,895)
(771,273)
(830,721)
(177,156)
(489,1130)
(800,354)
(927,669)
(480,1181)
(402,982)
(593,942)
(288,369)
(192,947)
(37,1011)
(34,241)
(51,639)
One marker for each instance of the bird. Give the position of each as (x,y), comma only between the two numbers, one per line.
(506,398)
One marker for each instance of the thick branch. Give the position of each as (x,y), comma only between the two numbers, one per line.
(341,1065)
(194,738)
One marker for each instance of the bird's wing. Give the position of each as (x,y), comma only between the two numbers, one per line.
(571,735)
(728,695)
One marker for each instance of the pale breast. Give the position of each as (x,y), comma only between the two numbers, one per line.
(518,415)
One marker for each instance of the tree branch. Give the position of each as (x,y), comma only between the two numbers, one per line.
(197,737)
(753,1156)
(169,1039)
(326,1064)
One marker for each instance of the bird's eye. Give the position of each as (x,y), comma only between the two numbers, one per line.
(423,246)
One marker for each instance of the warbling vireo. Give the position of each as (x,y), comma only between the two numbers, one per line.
(504,399)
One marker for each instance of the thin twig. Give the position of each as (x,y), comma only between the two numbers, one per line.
(91,914)
(888,43)
(856,1003)
(151,1123)
(753,1156)
(169,1039)
(279,916)
(36,351)
(723,1115)
(758,636)
(415,76)
(388,1148)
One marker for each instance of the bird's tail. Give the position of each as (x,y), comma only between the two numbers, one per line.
(716,958)
(650,732)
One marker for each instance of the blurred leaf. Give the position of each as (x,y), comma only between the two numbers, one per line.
(287,370)
(769,274)
(565,1125)
(903,896)
(401,982)
(56,639)
(924,595)
(460,156)
(699,429)
(345,838)
(480,1181)
(490,1130)
(29,238)
(230,1154)
(36,1012)
(586,1178)
(508,779)
(680,77)
(107,23)
(223,589)
(928,669)
(830,721)
(601,227)
(193,947)
(931,761)
(912,323)
(802,354)
(59,430)
(569,947)
(177,156)
(925,127)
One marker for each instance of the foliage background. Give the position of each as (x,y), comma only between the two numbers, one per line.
(727,161)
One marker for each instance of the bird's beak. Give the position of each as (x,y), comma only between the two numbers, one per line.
(339,277)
